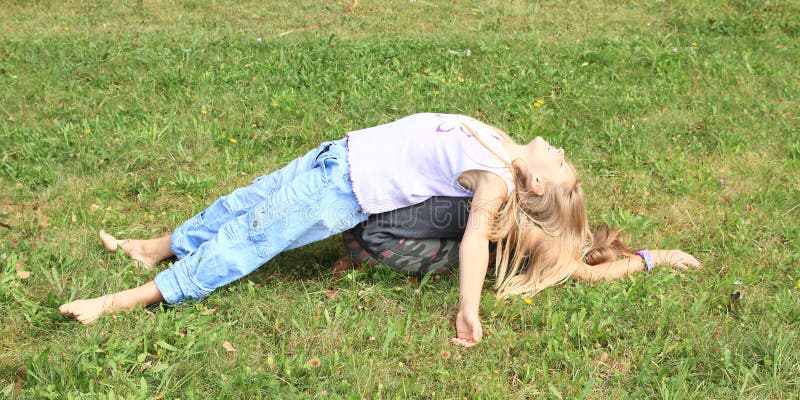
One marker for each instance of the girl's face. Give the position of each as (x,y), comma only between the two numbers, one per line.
(547,163)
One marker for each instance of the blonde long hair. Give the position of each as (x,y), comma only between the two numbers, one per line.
(558,222)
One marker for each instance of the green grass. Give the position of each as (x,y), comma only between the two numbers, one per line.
(682,118)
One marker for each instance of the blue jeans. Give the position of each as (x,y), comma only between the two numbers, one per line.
(308,200)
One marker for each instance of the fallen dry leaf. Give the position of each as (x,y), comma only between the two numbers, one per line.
(601,361)
(228,346)
(93,208)
(331,293)
(21,273)
(44,219)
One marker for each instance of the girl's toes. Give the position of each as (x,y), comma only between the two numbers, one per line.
(65,308)
(109,242)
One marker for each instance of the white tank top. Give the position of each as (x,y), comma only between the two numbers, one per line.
(407,161)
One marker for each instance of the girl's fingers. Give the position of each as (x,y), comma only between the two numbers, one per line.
(476,337)
(686,260)
(692,262)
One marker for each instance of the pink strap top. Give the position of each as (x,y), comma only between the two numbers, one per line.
(407,161)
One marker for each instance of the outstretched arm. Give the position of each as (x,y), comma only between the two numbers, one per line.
(633,263)
(489,192)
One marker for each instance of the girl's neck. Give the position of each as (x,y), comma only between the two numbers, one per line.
(514,150)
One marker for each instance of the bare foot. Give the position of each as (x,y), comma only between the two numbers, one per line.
(88,311)
(136,250)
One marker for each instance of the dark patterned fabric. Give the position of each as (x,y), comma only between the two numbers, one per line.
(416,240)
(412,256)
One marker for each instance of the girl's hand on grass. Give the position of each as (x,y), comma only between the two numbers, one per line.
(468,329)
(675,258)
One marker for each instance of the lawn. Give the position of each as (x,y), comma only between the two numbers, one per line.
(681,116)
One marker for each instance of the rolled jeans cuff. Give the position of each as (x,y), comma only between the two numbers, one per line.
(173,292)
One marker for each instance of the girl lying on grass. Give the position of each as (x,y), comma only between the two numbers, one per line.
(525,198)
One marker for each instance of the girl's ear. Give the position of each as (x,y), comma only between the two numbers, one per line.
(537,185)
(533,182)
